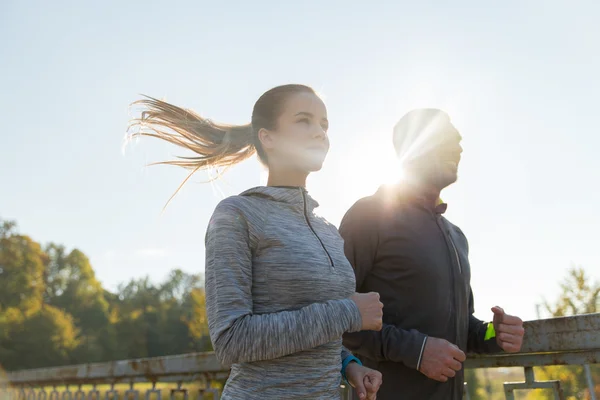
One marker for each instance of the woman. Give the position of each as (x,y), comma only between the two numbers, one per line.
(279,290)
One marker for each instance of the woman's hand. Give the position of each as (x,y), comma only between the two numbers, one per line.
(364,380)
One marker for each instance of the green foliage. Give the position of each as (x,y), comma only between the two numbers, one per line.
(71,285)
(580,295)
(22,264)
(474,385)
(43,339)
(53,310)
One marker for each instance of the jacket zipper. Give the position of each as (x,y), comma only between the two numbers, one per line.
(446,233)
(455,253)
(454,303)
(305,209)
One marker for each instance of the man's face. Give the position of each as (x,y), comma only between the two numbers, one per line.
(439,166)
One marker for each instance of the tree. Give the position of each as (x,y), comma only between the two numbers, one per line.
(54,311)
(168,318)
(45,338)
(476,392)
(196,320)
(179,285)
(31,334)
(22,264)
(11,320)
(185,318)
(71,285)
(580,295)
(7,227)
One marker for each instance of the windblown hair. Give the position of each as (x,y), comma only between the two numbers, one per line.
(216,145)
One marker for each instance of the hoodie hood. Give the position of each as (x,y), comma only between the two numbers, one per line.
(293,195)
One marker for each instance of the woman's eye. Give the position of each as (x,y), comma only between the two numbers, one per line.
(304,121)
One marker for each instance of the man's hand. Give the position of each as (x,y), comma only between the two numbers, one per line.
(441,359)
(364,380)
(371,310)
(509,330)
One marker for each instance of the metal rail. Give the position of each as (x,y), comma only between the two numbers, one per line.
(558,341)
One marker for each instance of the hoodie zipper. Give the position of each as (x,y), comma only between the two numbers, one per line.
(305,209)
(446,233)
(455,253)
(448,238)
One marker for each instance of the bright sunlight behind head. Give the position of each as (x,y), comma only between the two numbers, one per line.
(372,159)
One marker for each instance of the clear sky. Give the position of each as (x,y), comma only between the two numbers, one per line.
(520,80)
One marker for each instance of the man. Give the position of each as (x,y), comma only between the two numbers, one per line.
(402,247)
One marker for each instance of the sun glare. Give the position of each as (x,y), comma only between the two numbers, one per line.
(435,91)
(371,161)
(368,164)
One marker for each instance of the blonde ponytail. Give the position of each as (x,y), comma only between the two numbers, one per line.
(216,145)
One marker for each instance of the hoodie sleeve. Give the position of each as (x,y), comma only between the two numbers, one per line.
(345,353)
(238,335)
(360,231)
(477,341)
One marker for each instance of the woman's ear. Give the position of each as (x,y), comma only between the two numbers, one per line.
(266,139)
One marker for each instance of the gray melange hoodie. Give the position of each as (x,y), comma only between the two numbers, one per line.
(277,294)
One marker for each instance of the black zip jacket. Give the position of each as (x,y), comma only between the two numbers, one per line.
(404,249)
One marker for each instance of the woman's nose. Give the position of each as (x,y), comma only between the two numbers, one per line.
(320,133)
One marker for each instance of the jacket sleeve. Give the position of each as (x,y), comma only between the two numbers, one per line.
(360,231)
(345,353)
(237,333)
(476,342)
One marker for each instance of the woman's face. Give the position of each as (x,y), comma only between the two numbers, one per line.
(300,141)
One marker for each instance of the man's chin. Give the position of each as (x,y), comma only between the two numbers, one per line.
(452,178)
(444,180)
(436,177)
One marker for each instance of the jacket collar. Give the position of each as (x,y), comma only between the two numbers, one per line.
(294,195)
(412,194)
